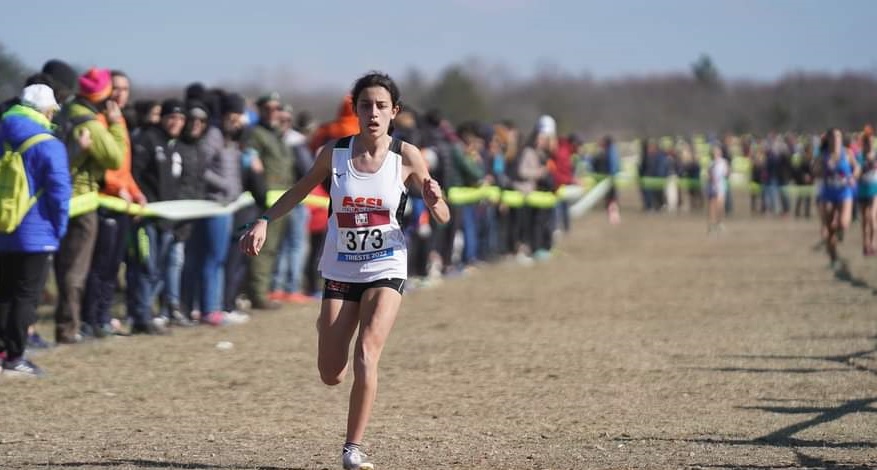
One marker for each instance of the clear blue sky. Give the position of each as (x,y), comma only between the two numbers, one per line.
(330,43)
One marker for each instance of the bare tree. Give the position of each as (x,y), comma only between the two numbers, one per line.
(12,73)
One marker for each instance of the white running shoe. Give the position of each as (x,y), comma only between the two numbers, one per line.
(524,260)
(354,459)
(236,318)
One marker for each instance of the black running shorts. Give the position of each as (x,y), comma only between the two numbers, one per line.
(352,291)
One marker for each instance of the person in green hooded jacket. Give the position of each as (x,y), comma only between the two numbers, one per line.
(94,117)
(276,159)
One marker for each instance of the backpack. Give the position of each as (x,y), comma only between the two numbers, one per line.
(64,126)
(15,198)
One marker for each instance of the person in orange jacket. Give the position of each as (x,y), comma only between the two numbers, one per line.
(113,229)
(344,125)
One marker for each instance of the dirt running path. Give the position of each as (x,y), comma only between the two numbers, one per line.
(648,346)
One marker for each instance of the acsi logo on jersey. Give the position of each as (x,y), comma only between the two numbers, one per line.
(362,202)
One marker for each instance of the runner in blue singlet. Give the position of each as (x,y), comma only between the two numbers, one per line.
(839,173)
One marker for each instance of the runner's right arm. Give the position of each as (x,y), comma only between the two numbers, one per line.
(316,175)
(253,240)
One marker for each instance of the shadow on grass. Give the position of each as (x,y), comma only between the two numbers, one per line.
(847,360)
(843,274)
(802,461)
(144,463)
(816,415)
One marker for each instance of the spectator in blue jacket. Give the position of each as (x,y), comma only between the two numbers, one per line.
(24,253)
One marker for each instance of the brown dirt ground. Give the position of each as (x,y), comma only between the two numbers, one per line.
(643,346)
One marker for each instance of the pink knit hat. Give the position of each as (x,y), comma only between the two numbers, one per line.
(96,85)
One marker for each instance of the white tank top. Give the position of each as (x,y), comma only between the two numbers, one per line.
(364,240)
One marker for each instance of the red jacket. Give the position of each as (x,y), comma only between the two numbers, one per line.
(562,170)
(319,215)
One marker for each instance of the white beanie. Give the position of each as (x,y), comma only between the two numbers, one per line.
(40,97)
(546,125)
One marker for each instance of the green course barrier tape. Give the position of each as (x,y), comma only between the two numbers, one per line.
(741,165)
(571,192)
(83,204)
(272,196)
(689,183)
(196,209)
(143,244)
(317,202)
(541,199)
(513,199)
(462,196)
(116,204)
(492,193)
(653,182)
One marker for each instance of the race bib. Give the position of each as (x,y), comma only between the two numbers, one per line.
(870,176)
(837,181)
(366,236)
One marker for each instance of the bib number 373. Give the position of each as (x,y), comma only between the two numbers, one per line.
(365,236)
(365,239)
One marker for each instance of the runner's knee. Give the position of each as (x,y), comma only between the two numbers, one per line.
(332,371)
(366,358)
(331,380)
(331,375)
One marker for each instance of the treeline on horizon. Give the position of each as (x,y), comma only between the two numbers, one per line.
(696,101)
